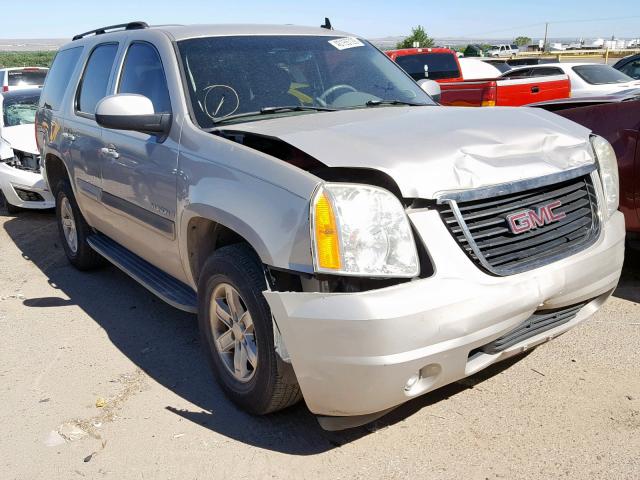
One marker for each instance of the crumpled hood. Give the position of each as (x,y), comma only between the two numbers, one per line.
(428,150)
(21,137)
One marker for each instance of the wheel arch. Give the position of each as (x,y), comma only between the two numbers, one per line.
(54,170)
(205,229)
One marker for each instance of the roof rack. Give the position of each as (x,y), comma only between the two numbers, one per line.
(124,26)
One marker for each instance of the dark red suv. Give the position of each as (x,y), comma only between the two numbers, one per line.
(616,118)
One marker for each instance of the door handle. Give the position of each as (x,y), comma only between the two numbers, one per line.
(535,89)
(110,152)
(69,136)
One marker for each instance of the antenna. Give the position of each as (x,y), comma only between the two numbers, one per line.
(327,24)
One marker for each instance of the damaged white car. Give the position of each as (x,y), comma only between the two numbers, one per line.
(21,182)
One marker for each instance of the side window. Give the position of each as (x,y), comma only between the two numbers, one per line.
(524,73)
(632,69)
(95,80)
(547,71)
(143,74)
(58,77)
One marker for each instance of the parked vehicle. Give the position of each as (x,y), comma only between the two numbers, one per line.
(616,118)
(341,237)
(21,183)
(17,78)
(443,66)
(586,78)
(504,50)
(629,66)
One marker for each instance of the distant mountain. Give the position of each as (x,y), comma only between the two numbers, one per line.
(31,44)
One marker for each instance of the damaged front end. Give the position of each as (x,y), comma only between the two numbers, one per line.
(26,161)
(21,181)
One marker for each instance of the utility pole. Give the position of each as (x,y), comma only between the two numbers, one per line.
(546,30)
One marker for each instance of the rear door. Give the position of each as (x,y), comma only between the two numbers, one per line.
(82,134)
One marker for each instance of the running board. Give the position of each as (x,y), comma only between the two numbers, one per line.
(172,291)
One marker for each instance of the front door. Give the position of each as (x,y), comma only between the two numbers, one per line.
(139,180)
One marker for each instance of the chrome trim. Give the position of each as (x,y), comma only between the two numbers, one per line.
(525,265)
(513,187)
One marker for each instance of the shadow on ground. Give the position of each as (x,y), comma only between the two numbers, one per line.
(163,342)
(629,286)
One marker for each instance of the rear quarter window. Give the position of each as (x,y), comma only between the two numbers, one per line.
(58,78)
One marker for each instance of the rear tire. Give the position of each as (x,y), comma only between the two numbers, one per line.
(74,230)
(236,330)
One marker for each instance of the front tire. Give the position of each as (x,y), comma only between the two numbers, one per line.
(11,209)
(74,230)
(236,331)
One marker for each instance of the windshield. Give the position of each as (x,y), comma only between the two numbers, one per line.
(20,109)
(237,75)
(434,66)
(18,78)
(601,74)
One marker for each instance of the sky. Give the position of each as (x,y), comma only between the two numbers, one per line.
(371,19)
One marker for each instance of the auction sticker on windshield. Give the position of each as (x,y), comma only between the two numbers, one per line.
(346,42)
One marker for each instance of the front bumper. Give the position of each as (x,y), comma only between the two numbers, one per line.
(353,353)
(13,178)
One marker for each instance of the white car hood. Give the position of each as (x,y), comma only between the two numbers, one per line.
(21,137)
(429,150)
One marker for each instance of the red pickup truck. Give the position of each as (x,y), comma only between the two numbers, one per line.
(442,65)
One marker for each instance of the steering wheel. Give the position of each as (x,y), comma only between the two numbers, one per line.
(322,99)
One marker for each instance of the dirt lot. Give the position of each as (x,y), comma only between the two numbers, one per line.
(96,357)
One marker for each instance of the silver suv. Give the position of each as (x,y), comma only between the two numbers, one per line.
(341,236)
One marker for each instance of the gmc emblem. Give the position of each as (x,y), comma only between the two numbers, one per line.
(526,220)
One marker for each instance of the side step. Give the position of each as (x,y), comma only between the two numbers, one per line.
(172,291)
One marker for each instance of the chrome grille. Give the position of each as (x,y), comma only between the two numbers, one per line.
(478,221)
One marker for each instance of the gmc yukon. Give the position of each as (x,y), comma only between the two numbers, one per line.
(341,237)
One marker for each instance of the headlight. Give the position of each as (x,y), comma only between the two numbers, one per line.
(608,166)
(361,230)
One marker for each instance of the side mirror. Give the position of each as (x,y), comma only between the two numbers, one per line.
(431,88)
(128,111)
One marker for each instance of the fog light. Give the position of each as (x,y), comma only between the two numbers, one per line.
(411,382)
(28,196)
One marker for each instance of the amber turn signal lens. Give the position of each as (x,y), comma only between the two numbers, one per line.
(326,232)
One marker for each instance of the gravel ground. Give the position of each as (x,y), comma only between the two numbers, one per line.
(98,359)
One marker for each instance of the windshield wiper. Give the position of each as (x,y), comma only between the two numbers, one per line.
(295,108)
(375,103)
(270,110)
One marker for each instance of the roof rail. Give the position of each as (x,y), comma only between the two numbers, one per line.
(124,26)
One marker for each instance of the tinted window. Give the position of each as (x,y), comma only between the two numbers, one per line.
(430,65)
(19,78)
(143,74)
(93,86)
(19,108)
(600,74)
(58,78)
(234,75)
(546,71)
(524,73)
(632,69)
